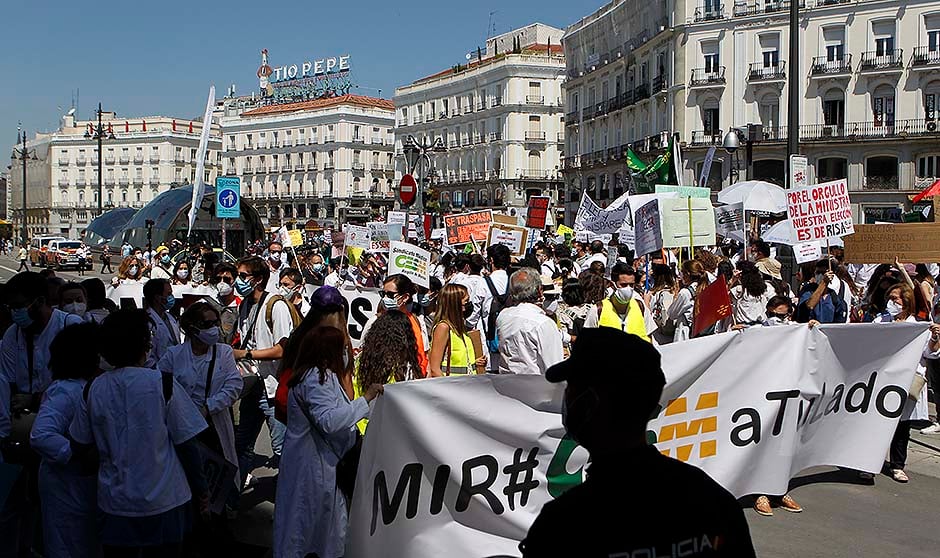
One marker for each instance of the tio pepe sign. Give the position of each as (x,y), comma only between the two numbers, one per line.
(310,68)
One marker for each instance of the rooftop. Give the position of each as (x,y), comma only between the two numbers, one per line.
(354,100)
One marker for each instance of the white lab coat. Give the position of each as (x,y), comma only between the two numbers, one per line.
(69,501)
(163,337)
(311,512)
(191,371)
(681,310)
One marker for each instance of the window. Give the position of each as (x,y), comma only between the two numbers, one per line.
(933,40)
(834,108)
(883,106)
(928,166)
(710,116)
(832,168)
(771,58)
(711,63)
(835,52)
(884,46)
(535,162)
(770,111)
(881,173)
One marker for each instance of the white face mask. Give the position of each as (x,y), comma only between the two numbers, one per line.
(346,359)
(224,288)
(624,294)
(287,292)
(182,273)
(132,271)
(893,308)
(77,308)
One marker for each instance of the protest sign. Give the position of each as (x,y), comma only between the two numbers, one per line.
(538,211)
(807,251)
(472,480)
(363,304)
(505,219)
(684,191)
(591,217)
(290,238)
(910,242)
(679,231)
(639,200)
(357,237)
(707,167)
(128,295)
(729,218)
(627,236)
(396,223)
(513,237)
(338,239)
(378,236)
(437,234)
(410,261)
(820,211)
(565,230)
(648,229)
(464,227)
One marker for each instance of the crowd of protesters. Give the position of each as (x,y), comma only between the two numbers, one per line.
(110,412)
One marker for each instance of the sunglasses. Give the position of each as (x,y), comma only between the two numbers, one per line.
(387,294)
(245,276)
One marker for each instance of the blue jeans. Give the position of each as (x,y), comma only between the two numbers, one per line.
(253,410)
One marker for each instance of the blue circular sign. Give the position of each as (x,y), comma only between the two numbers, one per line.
(228,198)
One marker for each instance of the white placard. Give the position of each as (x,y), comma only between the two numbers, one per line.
(820,211)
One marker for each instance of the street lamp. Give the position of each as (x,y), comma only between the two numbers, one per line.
(24,154)
(731,143)
(418,158)
(99,133)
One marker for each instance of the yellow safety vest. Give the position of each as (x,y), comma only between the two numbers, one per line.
(635,323)
(462,355)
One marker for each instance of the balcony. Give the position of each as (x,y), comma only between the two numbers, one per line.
(376,141)
(329,165)
(479,138)
(154,159)
(312,166)
(710,77)
(641,92)
(138,159)
(465,141)
(401,122)
(660,84)
(81,160)
(885,61)
(824,66)
(468,109)
(153,181)
(760,72)
(495,136)
(179,159)
(559,137)
(572,162)
(881,183)
(572,117)
(138,181)
(248,170)
(455,112)
(534,135)
(743,9)
(109,159)
(707,137)
(534,100)
(453,143)
(430,117)
(709,12)
(300,167)
(63,182)
(358,166)
(125,159)
(313,140)
(63,161)
(497,102)
(924,58)
(286,167)
(533,174)
(123,181)
(481,105)
(330,138)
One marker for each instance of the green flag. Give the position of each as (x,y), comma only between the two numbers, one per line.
(661,170)
(468,249)
(634,163)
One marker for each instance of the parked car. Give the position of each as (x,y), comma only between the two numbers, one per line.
(38,247)
(64,253)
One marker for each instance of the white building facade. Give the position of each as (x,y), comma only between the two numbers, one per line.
(869,78)
(328,160)
(499,117)
(143,156)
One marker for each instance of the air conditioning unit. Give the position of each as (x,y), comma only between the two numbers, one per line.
(932,126)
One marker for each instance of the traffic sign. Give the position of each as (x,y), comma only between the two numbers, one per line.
(407,189)
(228,197)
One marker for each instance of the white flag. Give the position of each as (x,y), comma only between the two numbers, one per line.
(199,185)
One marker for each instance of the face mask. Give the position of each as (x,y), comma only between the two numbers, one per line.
(275,257)
(467,310)
(287,292)
(624,294)
(21,317)
(132,271)
(209,336)
(423,300)
(165,260)
(224,288)
(345,359)
(182,273)
(893,308)
(318,267)
(170,302)
(77,308)
(390,303)
(243,287)
(820,278)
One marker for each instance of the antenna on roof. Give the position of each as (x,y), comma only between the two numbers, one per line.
(491,25)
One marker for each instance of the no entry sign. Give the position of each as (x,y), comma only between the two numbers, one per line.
(407,189)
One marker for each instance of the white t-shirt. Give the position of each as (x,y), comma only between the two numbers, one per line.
(135,429)
(262,337)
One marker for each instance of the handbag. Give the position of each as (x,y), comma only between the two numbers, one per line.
(210,436)
(917,387)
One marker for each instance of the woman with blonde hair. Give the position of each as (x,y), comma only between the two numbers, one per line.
(685,305)
(451,348)
(129,271)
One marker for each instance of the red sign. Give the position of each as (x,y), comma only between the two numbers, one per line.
(538,210)
(407,189)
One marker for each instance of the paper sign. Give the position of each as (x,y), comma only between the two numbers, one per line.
(505,219)
(674,214)
(729,218)
(437,234)
(538,211)
(648,229)
(511,236)
(290,238)
(910,242)
(798,166)
(463,227)
(564,230)
(820,211)
(396,218)
(639,200)
(378,236)
(627,236)
(684,191)
(363,304)
(807,252)
(410,261)
(591,217)
(357,237)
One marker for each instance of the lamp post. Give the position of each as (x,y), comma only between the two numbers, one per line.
(418,158)
(24,154)
(99,134)
(731,143)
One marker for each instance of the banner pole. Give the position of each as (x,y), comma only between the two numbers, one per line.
(828,259)
(691,237)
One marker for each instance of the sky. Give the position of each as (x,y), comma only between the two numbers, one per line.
(159,58)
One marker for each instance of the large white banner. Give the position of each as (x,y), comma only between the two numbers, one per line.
(592,217)
(460,467)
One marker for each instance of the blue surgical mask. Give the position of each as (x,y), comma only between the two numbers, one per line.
(390,303)
(209,336)
(165,260)
(423,300)
(21,317)
(243,287)
(318,267)
(170,302)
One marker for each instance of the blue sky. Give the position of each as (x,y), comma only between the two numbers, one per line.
(144,58)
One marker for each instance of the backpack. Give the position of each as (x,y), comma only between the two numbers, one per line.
(830,309)
(269,311)
(498,303)
(665,325)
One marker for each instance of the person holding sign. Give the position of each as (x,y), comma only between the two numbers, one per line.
(451,347)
